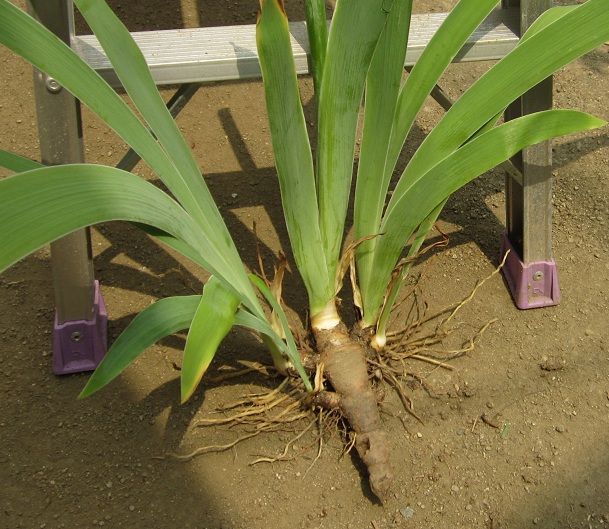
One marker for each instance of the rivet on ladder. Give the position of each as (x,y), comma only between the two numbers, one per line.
(52,85)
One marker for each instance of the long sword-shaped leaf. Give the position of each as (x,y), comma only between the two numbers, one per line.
(254,323)
(545,19)
(41,205)
(292,151)
(16,163)
(243,318)
(131,68)
(461,22)
(19,164)
(354,32)
(424,193)
(165,317)
(317,29)
(26,37)
(578,31)
(394,289)
(212,321)
(382,89)
(291,350)
(162,318)
(37,45)
(46,203)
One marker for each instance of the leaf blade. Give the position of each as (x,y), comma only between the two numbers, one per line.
(317,29)
(578,31)
(162,318)
(16,163)
(132,70)
(291,350)
(213,319)
(41,48)
(49,202)
(382,90)
(437,55)
(354,32)
(486,151)
(293,157)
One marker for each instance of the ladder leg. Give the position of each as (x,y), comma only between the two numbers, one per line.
(530,270)
(80,330)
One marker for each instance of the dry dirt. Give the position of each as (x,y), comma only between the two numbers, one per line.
(66,463)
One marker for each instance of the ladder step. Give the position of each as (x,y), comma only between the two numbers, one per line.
(229,52)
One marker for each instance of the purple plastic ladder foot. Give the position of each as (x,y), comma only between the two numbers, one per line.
(532,285)
(80,345)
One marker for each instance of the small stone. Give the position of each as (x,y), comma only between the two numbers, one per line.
(553,363)
(560,428)
(469,391)
(407,512)
(132,508)
(419,435)
(455,488)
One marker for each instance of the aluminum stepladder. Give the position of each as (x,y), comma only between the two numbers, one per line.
(191,57)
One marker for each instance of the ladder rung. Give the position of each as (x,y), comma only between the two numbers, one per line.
(229,52)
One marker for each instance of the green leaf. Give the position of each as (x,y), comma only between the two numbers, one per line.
(160,319)
(354,33)
(291,349)
(382,89)
(133,72)
(254,323)
(545,19)
(461,22)
(17,164)
(317,29)
(29,39)
(44,204)
(212,321)
(292,151)
(37,45)
(424,193)
(578,31)
(394,289)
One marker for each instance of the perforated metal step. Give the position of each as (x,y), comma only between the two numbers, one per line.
(229,52)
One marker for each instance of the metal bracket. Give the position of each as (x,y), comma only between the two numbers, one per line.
(80,345)
(532,285)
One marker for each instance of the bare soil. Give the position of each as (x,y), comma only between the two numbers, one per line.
(540,376)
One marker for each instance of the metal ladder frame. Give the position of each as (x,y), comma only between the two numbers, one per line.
(80,335)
